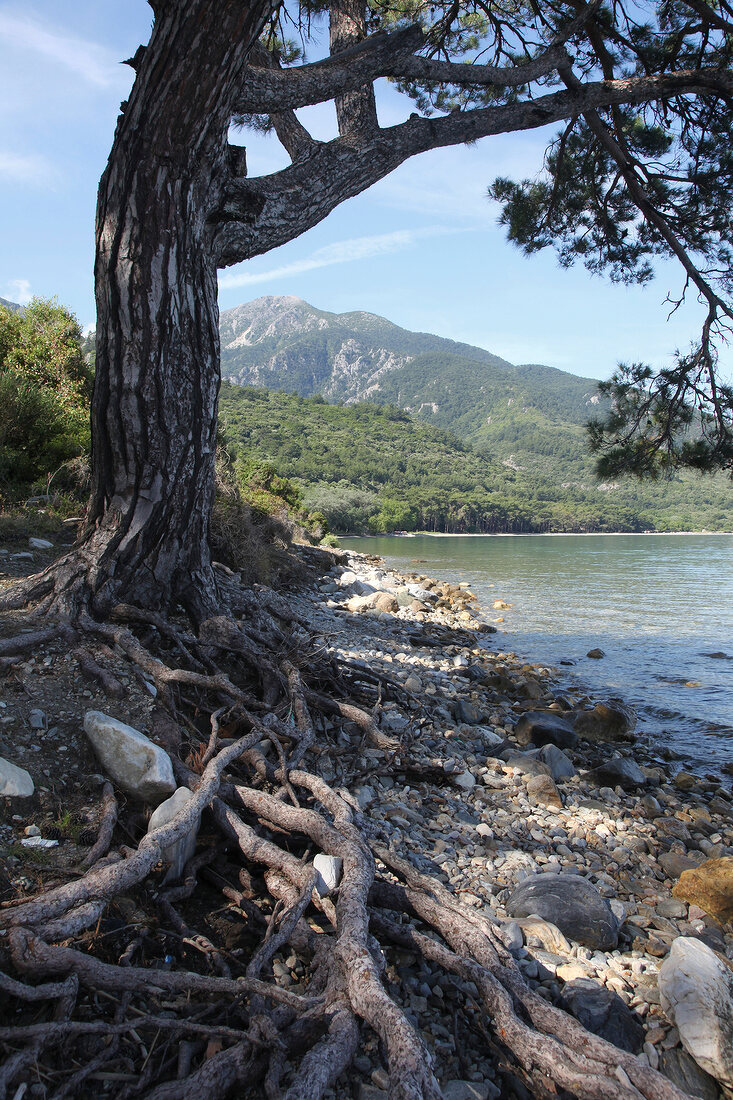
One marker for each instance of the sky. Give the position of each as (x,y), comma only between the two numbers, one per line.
(423,247)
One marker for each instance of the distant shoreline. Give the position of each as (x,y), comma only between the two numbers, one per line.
(531,534)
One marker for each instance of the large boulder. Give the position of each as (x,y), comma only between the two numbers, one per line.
(545,727)
(15,782)
(134,762)
(696,993)
(571,903)
(617,772)
(612,721)
(710,886)
(602,1011)
(178,854)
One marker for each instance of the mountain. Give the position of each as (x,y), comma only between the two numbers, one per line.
(527,415)
(515,456)
(12,306)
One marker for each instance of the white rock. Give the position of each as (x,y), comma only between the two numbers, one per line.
(178,854)
(696,993)
(38,842)
(137,765)
(488,736)
(347,578)
(328,873)
(40,544)
(15,782)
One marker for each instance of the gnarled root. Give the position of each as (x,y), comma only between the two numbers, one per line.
(277,990)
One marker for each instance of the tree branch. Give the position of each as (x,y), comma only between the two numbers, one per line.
(260,214)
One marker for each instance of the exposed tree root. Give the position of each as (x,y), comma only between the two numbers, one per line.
(168,1007)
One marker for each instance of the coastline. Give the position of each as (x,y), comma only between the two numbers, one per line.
(500,810)
(527,534)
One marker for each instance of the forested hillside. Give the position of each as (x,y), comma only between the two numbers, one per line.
(529,417)
(370,467)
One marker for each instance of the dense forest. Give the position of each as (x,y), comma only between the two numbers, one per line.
(373,467)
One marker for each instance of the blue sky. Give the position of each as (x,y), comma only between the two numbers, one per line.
(422,247)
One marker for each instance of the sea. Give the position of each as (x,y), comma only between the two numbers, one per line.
(660,606)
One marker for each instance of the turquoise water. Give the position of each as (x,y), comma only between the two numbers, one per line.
(657,605)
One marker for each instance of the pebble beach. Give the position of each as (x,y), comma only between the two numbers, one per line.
(604,864)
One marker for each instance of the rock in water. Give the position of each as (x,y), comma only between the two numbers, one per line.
(136,765)
(617,772)
(571,903)
(602,1011)
(15,782)
(606,722)
(544,727)
(696,993)
(710,886)
(176,855)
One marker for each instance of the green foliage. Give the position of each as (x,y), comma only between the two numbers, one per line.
(653,427)
(372,468)
(45,390)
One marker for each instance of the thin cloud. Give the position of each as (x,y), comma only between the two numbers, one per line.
(342,252)
(19,291)
(88,60)
(29,169)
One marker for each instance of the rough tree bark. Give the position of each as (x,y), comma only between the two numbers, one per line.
(146,533)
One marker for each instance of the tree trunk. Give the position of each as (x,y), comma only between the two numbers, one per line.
(146,537)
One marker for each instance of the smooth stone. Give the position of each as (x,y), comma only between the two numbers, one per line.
(683,781)
(617,772)
(465,780)
(347,578)
(413,684)
(15,782)
(650,806)
(605,722)
(675,864)
(542,789)
(527,763)
(511,934)
(602,1011)
(684,1072)
(545,728)
(40,544)
(571,903)
(467,713)
(696,994)
(178,854)
(489,737)
(596,654)
(386,602)
(561,767)
(133,761)
(328,873)
(710,886)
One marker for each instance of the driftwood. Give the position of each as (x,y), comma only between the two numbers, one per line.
(167,1008)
